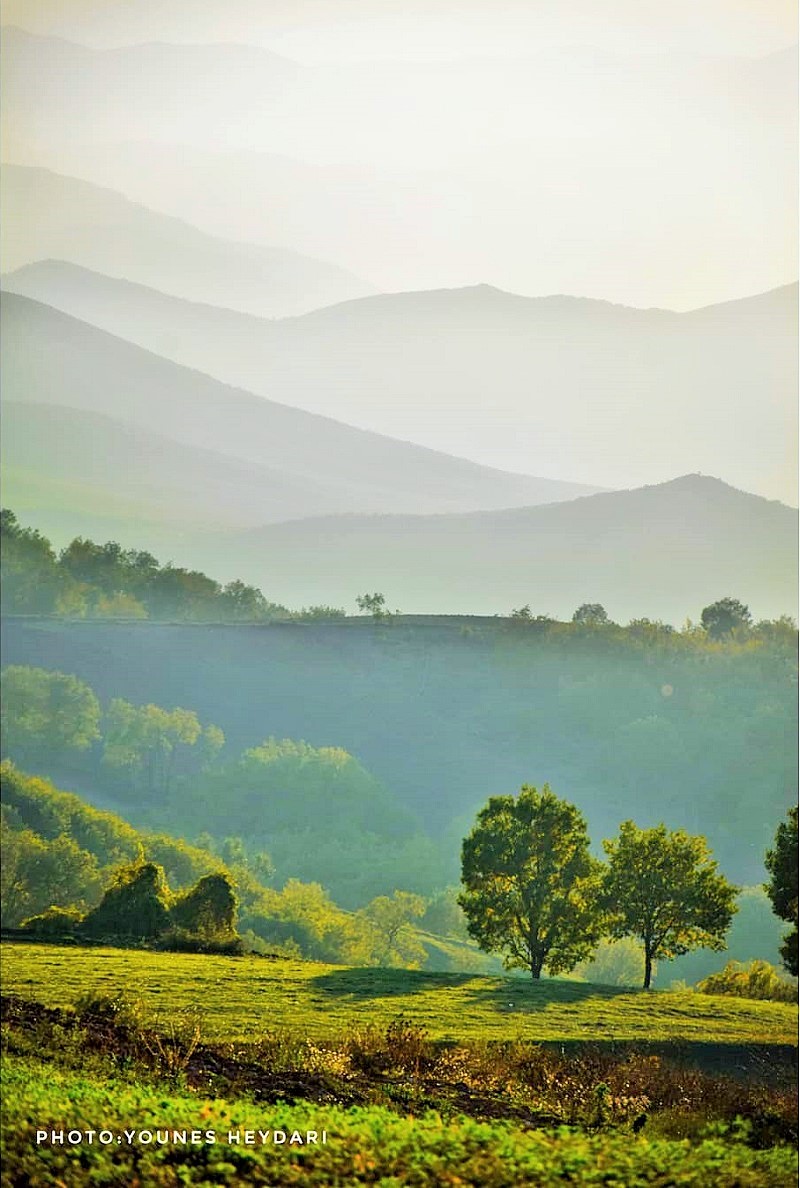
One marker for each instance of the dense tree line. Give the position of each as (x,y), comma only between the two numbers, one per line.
(69,867)
(87,579)
(283,794)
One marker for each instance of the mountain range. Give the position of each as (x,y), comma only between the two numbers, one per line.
(103,436)
(558,169)
(617,395)
(49,215)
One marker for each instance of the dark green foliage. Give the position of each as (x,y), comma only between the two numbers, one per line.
(373,604)
(208,910)
(782,864)
(32,582)
(530,884)
(724,617)
(34,805)
(54,924)
(135,906)
(664,888)
(37,873)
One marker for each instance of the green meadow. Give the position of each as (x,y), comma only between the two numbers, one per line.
(241,997)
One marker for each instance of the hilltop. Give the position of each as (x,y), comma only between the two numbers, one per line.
(49,215)
(658,550)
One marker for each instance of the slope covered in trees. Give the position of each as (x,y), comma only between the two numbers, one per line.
(637,722)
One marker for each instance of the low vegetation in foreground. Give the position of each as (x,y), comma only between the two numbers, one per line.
(396,1107)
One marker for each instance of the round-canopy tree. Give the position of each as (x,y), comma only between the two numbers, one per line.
(590,614)
(721,618)
(530,884)
(665,889)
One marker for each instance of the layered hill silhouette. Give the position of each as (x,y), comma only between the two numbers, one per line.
(99,432)
(440,172)
(49,215)
(624,394)
(661,551)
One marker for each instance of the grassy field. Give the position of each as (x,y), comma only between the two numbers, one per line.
(242,998)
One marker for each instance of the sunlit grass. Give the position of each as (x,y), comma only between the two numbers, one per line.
(242,997)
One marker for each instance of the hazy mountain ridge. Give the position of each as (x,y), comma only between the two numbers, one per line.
(48,215)
(334,161)
(497,376)
(279,462)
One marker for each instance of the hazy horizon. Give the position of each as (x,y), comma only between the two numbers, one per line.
(642,158)
(412,177)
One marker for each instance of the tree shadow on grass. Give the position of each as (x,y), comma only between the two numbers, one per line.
(504,995)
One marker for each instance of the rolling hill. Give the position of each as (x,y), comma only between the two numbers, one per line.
(545,385)
(100,432)
(47,214)
(663,551)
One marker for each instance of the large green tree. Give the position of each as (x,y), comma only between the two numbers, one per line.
(665,889)
(530,884)
(781,862)
(148,741)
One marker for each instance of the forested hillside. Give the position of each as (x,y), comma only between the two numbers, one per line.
(640,721)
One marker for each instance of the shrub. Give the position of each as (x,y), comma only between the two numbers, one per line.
(178,940)
(135,905)
(56,922)
(758,979)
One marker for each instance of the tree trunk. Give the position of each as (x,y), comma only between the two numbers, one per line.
(648,968)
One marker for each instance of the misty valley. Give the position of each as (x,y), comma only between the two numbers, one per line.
(399,557)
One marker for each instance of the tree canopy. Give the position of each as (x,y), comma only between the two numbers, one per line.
(665,889)
(530,884)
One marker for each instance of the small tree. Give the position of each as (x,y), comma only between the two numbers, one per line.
(136,905)
(781,862)
(392,919)
(530,884)
(590,614)
(208,910)
(664,888)
(723,617)
(375,605)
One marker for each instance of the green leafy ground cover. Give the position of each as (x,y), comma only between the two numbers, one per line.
(239,998)
(370,1145)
